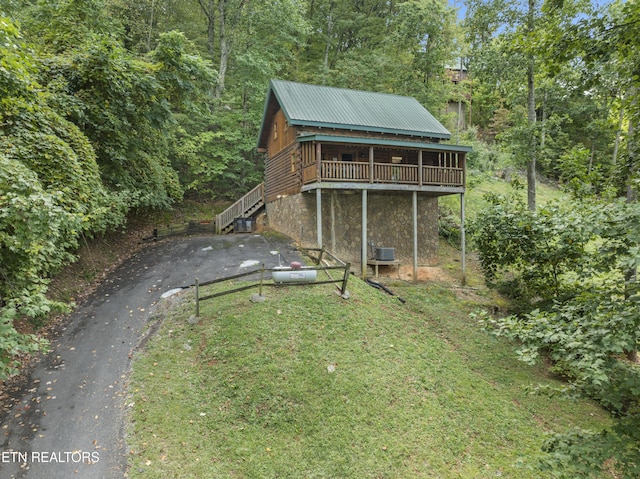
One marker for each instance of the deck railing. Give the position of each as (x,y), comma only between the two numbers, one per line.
(345,171)
(390,173)
(349,171)
(434,175)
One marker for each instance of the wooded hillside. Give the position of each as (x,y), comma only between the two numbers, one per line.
(110,106)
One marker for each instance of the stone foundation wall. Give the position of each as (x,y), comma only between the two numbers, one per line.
(389,223)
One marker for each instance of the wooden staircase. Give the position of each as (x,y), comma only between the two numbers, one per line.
(245,207)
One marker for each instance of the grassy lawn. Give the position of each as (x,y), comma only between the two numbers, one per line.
(308,385)
(479,185)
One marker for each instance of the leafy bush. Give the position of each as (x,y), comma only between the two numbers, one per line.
(50,193)
(534,251)
(577,263)
(36,233)
(13,343)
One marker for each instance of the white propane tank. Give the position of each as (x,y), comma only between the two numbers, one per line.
(287,274)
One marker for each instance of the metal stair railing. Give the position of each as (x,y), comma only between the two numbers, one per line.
(246,205)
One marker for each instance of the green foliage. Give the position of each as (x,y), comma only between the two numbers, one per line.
(204,158)
(484,157)
(35,234)
(50,193)
(533,250)
(57,26)
(122,108)
(15,65)
(577,263)
(223,162)
(582,453)
(579,80)
(397,47)
(577,173)
(13,344)
(63,159)
(184,75)
(36,229)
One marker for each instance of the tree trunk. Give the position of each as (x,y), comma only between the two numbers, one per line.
(531,115)
(225,48)
(325,65)
(616,144)
(632,194)
(543,130)
(151,20)
(211,26)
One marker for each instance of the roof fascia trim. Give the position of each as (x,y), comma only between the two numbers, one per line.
(264,115)
(383,142)
(342,126)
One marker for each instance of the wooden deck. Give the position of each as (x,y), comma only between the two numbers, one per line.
(383,173)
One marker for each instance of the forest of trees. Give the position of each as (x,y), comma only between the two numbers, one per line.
(113,106)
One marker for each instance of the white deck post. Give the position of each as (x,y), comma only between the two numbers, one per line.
(333,220)
(319,216)
(415,236)
(364,234)
(463,240)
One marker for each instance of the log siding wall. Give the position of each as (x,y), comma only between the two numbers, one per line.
(283,174)
(291,164)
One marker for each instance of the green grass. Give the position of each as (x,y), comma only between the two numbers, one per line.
(416,390)
(481,184)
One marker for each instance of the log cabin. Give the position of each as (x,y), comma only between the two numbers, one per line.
(357,172)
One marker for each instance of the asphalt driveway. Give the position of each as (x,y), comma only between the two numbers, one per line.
(70,421)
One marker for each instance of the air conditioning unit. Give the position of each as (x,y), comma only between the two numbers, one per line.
(385,254)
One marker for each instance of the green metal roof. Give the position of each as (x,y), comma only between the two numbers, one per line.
(340,108)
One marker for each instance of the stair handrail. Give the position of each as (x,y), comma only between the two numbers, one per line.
(240,207)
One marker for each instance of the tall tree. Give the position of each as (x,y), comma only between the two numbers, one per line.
(531,108)
(209,9)
(229,15)
(506,35)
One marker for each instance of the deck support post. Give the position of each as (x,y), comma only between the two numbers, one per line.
(319,216)
(333,220)
(415,237)
(364,234)
(463,245)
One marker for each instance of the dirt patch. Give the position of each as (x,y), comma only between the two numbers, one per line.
(426,273)
(436,274)
(97,257)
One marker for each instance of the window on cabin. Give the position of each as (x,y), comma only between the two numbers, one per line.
(293,162)
(347,157)
(275,130)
